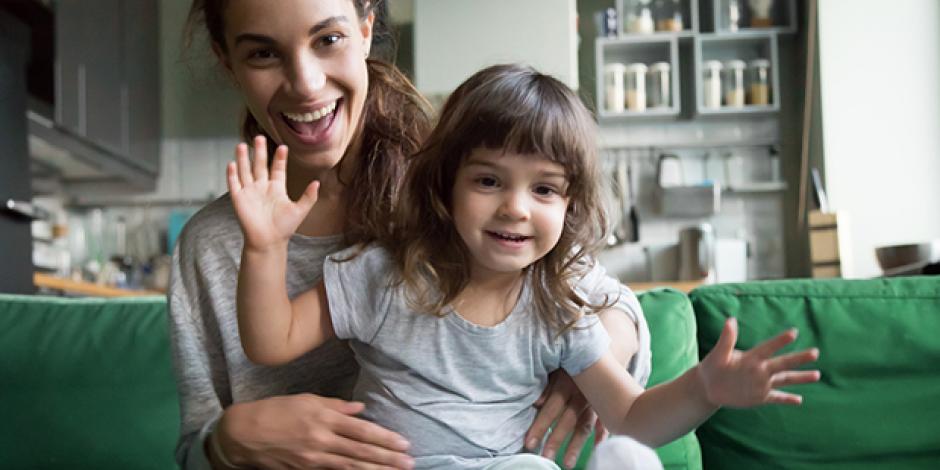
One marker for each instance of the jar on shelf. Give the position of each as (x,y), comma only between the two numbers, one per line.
(635,79)
(733,83)
(613,87)
(760,13)
(758,72)
(668,15)
(640,18)
(711,84)
(659,95)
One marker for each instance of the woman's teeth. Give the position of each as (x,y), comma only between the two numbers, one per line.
(314,116)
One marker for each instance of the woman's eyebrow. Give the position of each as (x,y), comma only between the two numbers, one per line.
(321,25)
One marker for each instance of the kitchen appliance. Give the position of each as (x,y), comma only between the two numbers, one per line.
(697,253)
(669,171)
(907,259)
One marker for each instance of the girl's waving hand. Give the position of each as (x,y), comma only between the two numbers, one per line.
(749,378)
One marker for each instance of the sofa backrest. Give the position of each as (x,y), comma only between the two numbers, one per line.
(876,406)
(86,383)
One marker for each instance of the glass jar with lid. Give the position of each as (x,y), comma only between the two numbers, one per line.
(635,79)
(613,87)
(668,15)
(760,13)
(711,84)
(659,95)
(639,17)
(733,83)
(758,77)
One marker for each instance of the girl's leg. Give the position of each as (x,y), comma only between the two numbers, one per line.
(523,462)
(623,453)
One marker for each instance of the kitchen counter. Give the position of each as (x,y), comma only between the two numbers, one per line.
(69,286)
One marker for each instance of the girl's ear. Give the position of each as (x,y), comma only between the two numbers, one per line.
(365,27)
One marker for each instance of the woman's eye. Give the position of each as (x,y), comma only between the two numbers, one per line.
(329,40)
(262,54)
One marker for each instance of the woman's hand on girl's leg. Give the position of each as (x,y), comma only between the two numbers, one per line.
(563,404)
(307,431)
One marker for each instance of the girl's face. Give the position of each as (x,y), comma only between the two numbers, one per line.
(300,66)
(509,209)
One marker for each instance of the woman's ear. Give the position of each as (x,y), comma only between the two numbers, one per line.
(365,27)
(223,58)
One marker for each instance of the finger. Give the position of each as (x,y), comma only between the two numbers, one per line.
(784,379)
(279,165)
(600,433)
(792,360)
(771,346)
(375,455)
(261,158)
(550,411)
(327,460)
(367,432)
(783,398)
(244,167)
(309,197)
(582,431)
(562,428)
(729,336)
(231,174)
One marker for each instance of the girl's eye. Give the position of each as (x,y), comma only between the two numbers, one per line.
(487,181)
(261,55)
(544,190)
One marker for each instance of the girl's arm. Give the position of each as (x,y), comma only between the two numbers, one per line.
(725,377)
(273,329)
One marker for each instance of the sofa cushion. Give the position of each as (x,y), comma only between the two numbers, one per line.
(86,383)
(876,404)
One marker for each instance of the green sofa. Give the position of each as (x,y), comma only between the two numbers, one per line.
(87,383)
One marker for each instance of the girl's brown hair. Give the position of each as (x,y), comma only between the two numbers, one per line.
(516,109)
(395,119)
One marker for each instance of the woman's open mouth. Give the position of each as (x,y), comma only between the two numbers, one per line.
(313,127)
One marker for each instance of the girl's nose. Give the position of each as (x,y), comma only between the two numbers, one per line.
(515,206)
(307,76)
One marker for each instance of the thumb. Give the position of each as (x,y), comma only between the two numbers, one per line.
(309,197)
(729,336)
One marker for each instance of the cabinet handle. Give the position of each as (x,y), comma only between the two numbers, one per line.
(25,209)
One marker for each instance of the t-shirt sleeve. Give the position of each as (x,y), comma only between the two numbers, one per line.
(359,291)
(584,344)
(600,288)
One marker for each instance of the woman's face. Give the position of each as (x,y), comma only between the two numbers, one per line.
(300,66)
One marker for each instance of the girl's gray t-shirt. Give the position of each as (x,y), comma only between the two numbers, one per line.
(211,369)
(453,388)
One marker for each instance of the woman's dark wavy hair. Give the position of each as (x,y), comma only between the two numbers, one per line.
(516,109)
(395,120)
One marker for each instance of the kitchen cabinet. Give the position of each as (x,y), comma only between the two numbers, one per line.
(687,48)
(107,82)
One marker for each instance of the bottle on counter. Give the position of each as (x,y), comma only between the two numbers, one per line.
(659,95)
(668,15)
(636,86)
(733,15)
(640,18)
(759,82)
(614,98)
(733,83)
(711,84)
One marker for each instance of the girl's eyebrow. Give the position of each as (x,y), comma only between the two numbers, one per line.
(321,25)
(496,165)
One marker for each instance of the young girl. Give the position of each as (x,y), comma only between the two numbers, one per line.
(456,322)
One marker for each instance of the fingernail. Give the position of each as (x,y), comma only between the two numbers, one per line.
(531,444)
(549,454)
(403,444)
(408,462)
(570,463)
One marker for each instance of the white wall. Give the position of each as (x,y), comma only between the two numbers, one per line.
(880,73)
(455,38)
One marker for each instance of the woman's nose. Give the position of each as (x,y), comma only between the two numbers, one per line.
(514,206)
(307,76)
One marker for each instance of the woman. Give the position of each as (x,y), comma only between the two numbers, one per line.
(349,122)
